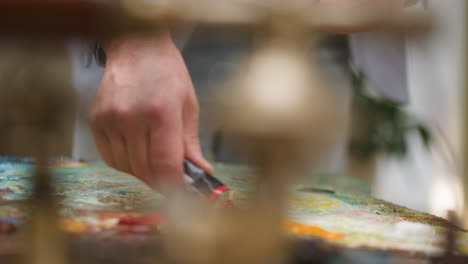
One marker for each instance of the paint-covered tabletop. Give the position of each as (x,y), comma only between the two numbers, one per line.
(337,209)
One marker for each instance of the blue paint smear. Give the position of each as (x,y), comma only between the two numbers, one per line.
(10,220)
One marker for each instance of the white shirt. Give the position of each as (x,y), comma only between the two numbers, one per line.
(381,56)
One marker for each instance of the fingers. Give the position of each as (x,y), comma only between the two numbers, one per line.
(148,146)
(119,151)
(104,146)
(137,140)
(122,141)
(192,147)
(110,141)
(165,150)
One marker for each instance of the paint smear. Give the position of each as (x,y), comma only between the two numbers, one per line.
(74,227)
(141,224)
(7,227)
(300,229)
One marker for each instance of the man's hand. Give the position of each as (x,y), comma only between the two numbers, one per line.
(145,115)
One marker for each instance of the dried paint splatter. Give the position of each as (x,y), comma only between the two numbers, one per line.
(98,199)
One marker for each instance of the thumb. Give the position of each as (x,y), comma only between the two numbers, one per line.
(194,154)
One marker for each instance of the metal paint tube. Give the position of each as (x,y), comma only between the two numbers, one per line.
(204,183)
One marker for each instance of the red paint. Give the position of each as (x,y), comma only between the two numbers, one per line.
(229,204)
(151,219)
(7,228)
(218,191)
(141,224)
(110,214)
(136,229)
(5,192)
(154,219)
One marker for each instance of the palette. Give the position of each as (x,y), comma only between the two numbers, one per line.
(336,209)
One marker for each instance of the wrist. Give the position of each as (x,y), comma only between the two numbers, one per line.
(130,47)
(134,46)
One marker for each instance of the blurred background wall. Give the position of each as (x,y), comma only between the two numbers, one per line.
(427,179)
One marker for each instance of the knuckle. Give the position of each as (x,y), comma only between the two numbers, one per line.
(97,117)
(123,117)
(118,117)
(123,113)
(156,110)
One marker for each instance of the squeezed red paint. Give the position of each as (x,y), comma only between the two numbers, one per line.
(7,228)
(141,224)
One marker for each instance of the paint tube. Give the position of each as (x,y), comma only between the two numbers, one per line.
(205,184)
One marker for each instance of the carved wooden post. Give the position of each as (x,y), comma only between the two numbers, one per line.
(37,106)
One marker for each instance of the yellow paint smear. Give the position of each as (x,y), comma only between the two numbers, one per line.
(300,229)
(73,226)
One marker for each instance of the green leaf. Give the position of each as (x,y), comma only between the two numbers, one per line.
(388,123)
